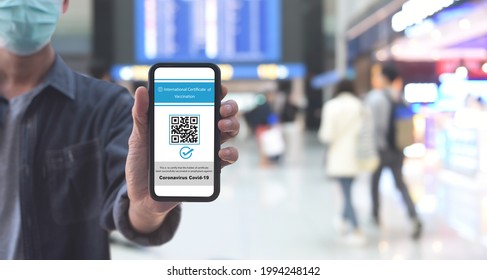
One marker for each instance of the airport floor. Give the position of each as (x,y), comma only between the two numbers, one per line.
(288,212)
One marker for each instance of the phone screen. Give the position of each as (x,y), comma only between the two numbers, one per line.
(185,141)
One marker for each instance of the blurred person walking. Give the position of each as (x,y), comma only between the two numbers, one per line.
(271,140)
(341,122)
(268,132)
(382,103)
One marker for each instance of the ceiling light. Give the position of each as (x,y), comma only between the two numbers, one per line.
(462,72)
(436,56)
(381,55)
(395,50)
(464,24)
(413,43)
(436,34)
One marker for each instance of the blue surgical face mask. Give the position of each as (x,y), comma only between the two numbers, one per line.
(26,26)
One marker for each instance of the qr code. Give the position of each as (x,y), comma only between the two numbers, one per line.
(185,129)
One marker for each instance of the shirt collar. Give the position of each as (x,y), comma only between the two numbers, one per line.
(60,77)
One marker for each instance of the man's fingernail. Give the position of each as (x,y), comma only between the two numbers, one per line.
(226,123)
(226,153)
(227,109)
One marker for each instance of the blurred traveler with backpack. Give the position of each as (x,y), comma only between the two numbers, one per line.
(393,130)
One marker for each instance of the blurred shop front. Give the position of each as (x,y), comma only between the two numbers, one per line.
(440,48)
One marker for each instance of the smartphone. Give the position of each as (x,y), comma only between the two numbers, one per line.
(184,110)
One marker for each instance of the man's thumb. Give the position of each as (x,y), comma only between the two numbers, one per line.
(139,112)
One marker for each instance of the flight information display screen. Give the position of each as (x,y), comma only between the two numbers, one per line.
(207,30)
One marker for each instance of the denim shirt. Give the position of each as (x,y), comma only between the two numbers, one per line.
(74,143)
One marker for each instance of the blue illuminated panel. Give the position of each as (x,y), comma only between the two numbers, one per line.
(207,30)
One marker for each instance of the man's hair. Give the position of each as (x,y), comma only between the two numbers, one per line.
(344,85)
(390,72)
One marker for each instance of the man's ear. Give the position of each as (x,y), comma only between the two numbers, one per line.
(65,6)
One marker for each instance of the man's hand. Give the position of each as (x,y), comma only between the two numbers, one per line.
(145,214)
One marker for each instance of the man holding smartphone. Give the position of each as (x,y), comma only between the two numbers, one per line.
(67,175)
(184,164)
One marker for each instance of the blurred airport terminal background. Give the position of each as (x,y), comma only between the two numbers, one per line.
(284,57)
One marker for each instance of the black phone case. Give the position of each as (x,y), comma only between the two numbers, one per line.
(217,161)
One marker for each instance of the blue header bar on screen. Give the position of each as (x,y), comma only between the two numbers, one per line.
(194,91)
